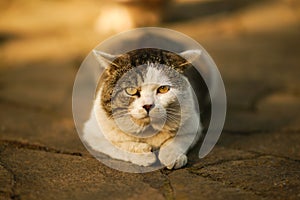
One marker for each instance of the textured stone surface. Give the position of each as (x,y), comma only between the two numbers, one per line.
(61,176)
(188,185)
(38,127)
(38,87)
(256,47)
(6,183)
(285,144)
(266,176)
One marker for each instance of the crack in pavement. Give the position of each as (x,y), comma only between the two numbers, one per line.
(37,147)
(193,170)
(255,156)
(13,194)
(227,184)
(261,153)
(168,188)
(224,183)
(272,155)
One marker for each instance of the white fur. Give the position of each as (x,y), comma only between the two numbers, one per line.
(156,76)
(103,135)
(104,59)
(102,139)
(191,55)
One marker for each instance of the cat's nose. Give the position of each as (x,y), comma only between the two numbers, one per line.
(148,107)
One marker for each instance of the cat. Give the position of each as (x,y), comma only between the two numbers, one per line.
(144,104)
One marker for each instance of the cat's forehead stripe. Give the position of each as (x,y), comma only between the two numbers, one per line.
(155,75)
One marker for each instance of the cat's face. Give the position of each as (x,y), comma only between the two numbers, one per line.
(146,98)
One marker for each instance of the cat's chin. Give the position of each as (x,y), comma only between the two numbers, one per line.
(156,123)
(146,131)
(144,121)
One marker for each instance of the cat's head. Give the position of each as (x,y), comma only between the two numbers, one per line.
(144,90)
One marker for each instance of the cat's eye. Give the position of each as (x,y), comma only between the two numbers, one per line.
(163,89)
(131,91)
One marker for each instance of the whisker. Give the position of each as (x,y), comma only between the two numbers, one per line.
(120,115)
(174,109)
(173,114)
(173,119)
(120,112)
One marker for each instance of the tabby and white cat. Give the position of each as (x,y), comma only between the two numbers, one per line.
(144,105)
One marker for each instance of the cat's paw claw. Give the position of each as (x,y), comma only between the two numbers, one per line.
(172,159)
(180,162)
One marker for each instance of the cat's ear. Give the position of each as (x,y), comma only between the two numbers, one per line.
(191,55)
(104,59)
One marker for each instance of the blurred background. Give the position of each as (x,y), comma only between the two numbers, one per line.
(255,44)
(41,30)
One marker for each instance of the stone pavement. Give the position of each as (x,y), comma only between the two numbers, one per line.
(258,154)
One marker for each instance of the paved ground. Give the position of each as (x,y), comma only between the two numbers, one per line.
(258,156)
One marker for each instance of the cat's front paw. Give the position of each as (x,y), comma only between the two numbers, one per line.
(143,148)
(181,161)
(145,159)
(173,161)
